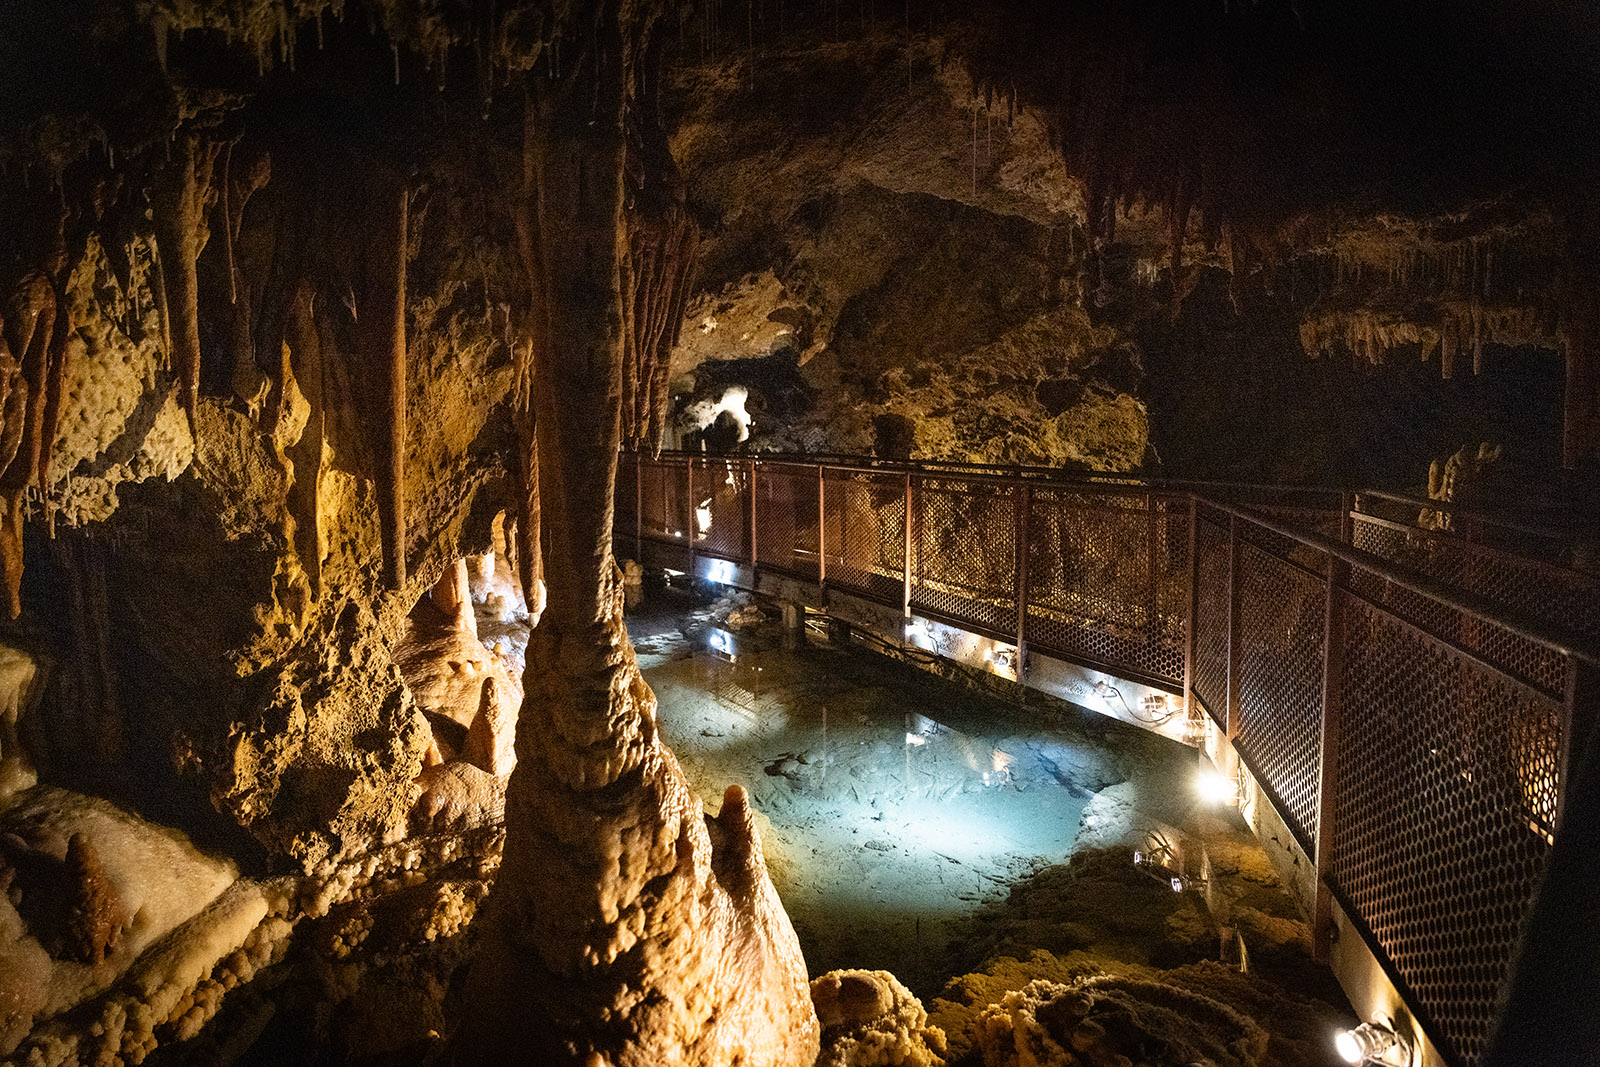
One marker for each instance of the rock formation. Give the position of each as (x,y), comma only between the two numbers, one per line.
(321,324)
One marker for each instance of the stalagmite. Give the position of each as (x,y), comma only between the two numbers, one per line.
(624,927)
(452,595)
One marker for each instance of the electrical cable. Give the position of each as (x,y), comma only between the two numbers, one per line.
(1102,687)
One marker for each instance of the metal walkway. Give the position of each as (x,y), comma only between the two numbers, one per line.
(1404,697)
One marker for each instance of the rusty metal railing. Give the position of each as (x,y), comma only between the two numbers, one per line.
(1412,721)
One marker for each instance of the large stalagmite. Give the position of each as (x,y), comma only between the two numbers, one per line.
(625,927)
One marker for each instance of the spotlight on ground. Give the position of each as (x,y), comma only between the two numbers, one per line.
(1373,1043)
(1217,788)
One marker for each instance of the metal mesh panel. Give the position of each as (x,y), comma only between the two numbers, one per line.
(1107,579)
(1316,520)
(1286,548)
(1445,792)
(722,508)
(1282,620)
(964,552)
(666,507)
(1211,624)
(865,533)
(786,519)
(1567,598)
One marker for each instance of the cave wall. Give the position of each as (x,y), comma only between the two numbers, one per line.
(272,306)
(238,576)
(902,220)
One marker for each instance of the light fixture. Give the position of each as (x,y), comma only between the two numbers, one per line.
(1160,859)
(1197,726)
(1218,788)
(917,631)
(1373,1043)
(721,643)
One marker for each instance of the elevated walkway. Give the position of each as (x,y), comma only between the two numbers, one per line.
(1401,706)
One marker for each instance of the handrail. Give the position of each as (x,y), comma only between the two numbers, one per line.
(848,461)
(1472,514)
(1477,548)
(1483,609)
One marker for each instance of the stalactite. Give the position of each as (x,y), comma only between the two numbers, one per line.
(1459,326)
(178,211)
(13,417)
(54,383)
(658,271)
(30,332)
(35,333)
(303,345)
(227,224)
(536,324)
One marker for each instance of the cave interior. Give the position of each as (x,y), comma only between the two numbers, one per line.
(451,464)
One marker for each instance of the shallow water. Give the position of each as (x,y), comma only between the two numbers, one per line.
(897,802)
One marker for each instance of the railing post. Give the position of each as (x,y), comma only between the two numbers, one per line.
(1578,709)
(1152,554)
(1333,642)
(905,591)
(1234,645)
(753,485)
(822,538)
(1192,612)
(1023,500)
(693,524)
(1347,518)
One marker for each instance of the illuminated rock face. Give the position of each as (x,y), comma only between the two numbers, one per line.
(869,1019)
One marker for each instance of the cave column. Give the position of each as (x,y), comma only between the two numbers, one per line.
(622,927)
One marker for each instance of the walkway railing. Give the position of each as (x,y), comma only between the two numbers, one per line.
(1408,709)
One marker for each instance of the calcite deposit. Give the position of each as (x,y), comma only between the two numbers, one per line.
(870,1020)
(322,324)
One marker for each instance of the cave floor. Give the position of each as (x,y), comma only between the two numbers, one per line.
(899,803)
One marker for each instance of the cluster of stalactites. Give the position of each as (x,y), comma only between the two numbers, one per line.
(1458,327)
(657,276)
(505,40)
(33,355)
(180,189)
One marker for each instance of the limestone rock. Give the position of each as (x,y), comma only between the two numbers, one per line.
(869,1019)
(1103,1021)
(20,688)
